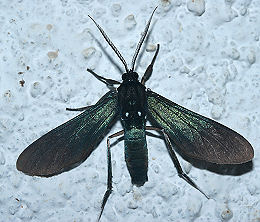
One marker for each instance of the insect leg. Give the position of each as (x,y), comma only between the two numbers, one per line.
(109,171)
(175,160)
(149,70)
(78,109)
(108,82)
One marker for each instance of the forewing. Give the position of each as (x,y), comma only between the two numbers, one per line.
(197,136)
(71,143)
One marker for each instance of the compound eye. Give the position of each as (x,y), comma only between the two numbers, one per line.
(135,75)
(124,76)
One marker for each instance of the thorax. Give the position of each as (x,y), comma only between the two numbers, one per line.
(132,104)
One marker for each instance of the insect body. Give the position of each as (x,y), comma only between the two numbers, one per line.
(133,105)
(195,136)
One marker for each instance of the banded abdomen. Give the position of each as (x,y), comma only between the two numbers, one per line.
(136,155)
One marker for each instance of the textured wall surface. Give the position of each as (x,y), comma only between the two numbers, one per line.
(209,62)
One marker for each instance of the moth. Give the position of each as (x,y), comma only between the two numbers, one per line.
(194,135)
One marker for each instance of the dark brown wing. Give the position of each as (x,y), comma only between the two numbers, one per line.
(197,136)
(71,143)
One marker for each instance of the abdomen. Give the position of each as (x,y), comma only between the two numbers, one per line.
(136,155)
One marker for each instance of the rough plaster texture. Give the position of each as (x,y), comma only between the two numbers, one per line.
(209,62)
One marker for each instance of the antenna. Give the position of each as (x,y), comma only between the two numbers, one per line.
(141,40)
(111,44)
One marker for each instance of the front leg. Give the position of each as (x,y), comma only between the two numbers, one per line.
(149,69)
(108,82)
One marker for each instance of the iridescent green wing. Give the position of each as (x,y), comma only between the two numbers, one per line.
(197,136)
(71,143)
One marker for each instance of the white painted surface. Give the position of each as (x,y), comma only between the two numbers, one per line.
(208,63)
